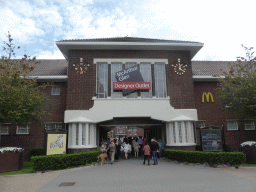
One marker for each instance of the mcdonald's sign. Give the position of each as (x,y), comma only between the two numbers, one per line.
(207,95)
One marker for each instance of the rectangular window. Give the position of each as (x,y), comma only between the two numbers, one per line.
(114,69)
(58,126)
(201,124)
(55,90)
(160,81)
(186,131)
(174,133)
(102,80)
(120,130)
(232,125)
(48,127)
(134,94)
(83,134)
(145,70)
(180,133)
(4,129)
(24,129)
(77,133)
(249,125)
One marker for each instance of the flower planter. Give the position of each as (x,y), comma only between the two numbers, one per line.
(11,161)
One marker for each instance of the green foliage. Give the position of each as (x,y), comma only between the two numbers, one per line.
(238,88)
(37,151)
(232,158)
(226,148)
(64,161)
(21,98)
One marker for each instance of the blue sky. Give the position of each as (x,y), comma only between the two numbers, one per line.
(221,25)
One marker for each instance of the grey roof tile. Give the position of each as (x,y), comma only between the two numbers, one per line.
(215,68)
(50,67)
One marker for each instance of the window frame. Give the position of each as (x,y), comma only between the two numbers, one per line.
(55,90)
(201,121)
(252,124)
(5,124)
(236,124)
(27,128)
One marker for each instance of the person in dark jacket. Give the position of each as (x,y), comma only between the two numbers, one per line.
(154,148)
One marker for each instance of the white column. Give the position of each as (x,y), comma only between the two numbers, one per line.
(167,133)
(73,134)
(87,133)
(95,135)
(183,132)
(177,133)
(192,132)
(70,135)
(170,133)
(80,134)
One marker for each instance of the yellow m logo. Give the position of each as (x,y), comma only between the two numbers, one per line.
(207,95)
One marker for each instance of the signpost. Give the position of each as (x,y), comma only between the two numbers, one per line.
(211,139)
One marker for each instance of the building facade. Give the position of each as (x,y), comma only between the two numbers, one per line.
(146,84)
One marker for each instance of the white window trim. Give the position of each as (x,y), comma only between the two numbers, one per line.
(5,124)
(253,125)
(123,60)
(55,90)
(77,144)
(23,133)
(203,121)
(189,141)
(235,124)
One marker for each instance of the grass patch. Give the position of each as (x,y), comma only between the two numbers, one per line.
(27,168)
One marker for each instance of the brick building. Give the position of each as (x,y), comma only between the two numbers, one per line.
(95,93)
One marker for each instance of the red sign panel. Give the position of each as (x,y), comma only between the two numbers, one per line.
(131,85)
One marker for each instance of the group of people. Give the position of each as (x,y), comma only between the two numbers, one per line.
(136,146)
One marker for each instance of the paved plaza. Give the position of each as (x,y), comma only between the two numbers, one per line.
(131,176)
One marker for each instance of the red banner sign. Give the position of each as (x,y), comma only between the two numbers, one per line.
(131,85)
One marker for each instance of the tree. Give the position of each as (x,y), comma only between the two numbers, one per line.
(21,99)
(238,89)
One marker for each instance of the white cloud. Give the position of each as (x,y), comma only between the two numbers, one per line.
(55,54)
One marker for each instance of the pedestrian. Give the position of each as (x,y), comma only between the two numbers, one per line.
(161,148)
(140,141)
(126,150)
(103,146)
(133,141)
(112,149)
(146,150)
(118,148)
(136,148)
(154,148)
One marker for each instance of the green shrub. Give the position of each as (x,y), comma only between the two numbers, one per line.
(64,161)
(36,151)
(232,158)
(226,148)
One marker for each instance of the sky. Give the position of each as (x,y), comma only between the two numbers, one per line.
(222,25)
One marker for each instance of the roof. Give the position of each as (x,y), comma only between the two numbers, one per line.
(214,68)
(126,39)
(49,67)
(127,43)
(59,67)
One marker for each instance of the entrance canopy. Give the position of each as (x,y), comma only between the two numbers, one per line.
(107,109)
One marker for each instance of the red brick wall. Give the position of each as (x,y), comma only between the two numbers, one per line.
(210,111)
(35,138)
(81,88)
